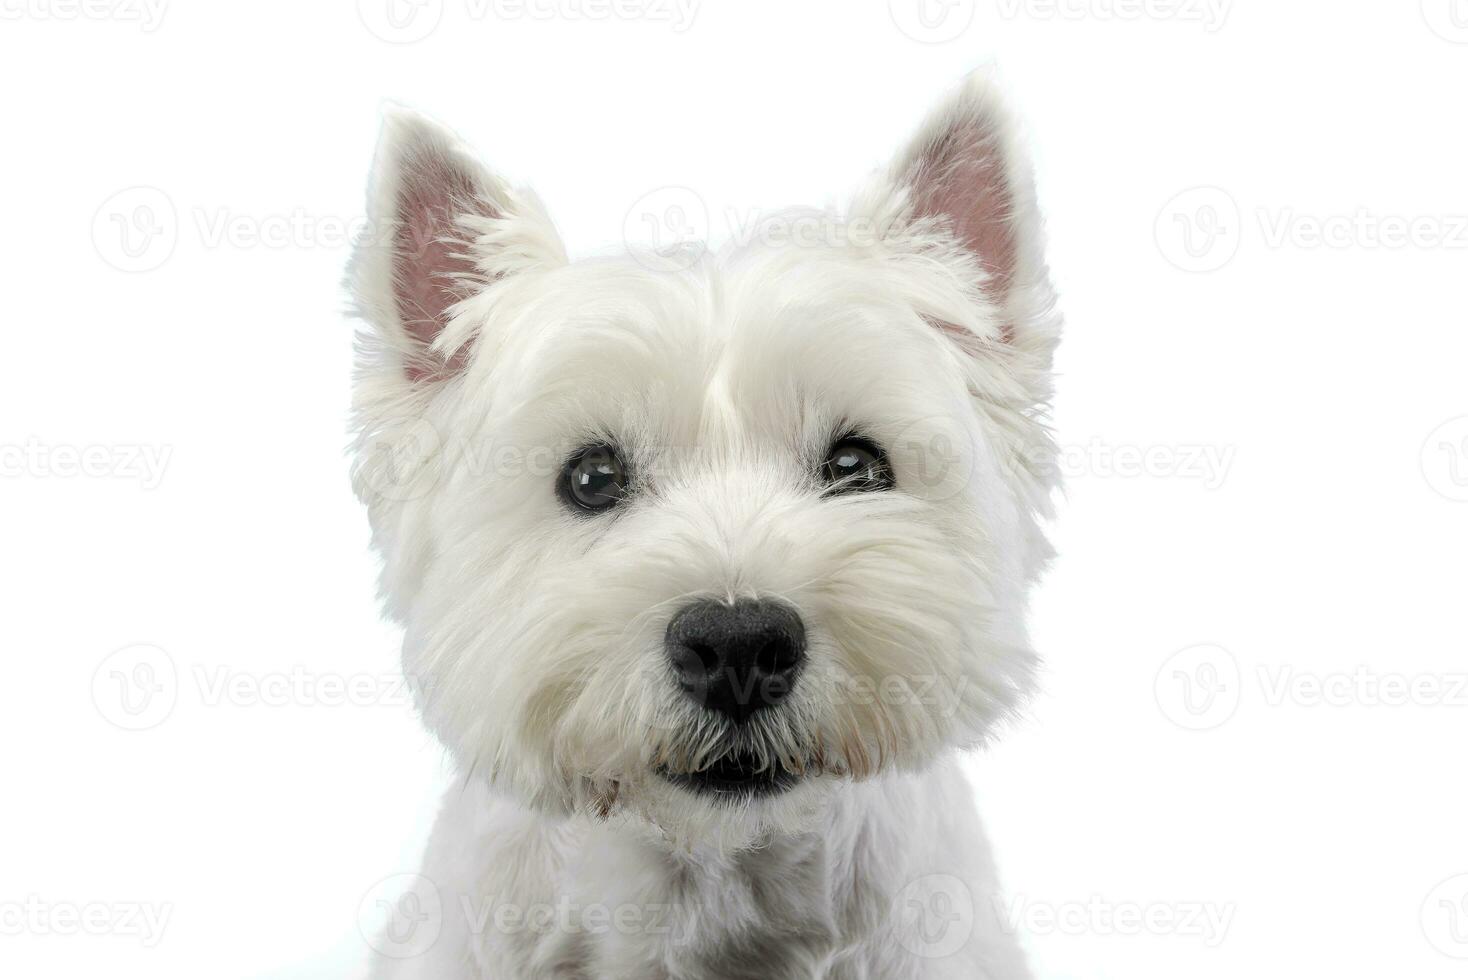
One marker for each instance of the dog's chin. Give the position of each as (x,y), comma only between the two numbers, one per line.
(734,778)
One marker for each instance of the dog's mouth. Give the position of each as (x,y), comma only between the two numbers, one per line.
(734,778)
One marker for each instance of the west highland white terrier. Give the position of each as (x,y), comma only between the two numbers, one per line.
(708,563)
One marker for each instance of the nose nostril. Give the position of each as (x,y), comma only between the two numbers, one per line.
(737,658)
(775,657)
(696,658)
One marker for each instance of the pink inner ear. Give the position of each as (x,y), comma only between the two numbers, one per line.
(429,264)
(961,175)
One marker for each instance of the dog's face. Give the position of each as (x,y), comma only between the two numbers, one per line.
(690,539)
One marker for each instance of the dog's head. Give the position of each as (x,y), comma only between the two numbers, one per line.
(692,538)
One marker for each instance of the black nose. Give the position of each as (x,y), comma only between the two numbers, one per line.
(736,659)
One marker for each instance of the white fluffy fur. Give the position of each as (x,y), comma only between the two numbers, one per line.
(536,635)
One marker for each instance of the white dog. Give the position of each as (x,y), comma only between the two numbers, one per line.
(708,564)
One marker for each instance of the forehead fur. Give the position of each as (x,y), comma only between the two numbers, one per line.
(748,326)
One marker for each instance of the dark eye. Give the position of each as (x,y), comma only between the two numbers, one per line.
(856,465)
(594,479)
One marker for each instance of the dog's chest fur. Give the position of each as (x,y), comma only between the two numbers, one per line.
(526,898)
(770,913)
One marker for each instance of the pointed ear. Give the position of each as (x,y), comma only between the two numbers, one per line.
(441,229)
(965,179)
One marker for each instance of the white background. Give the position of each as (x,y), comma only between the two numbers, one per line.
(1262,496)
